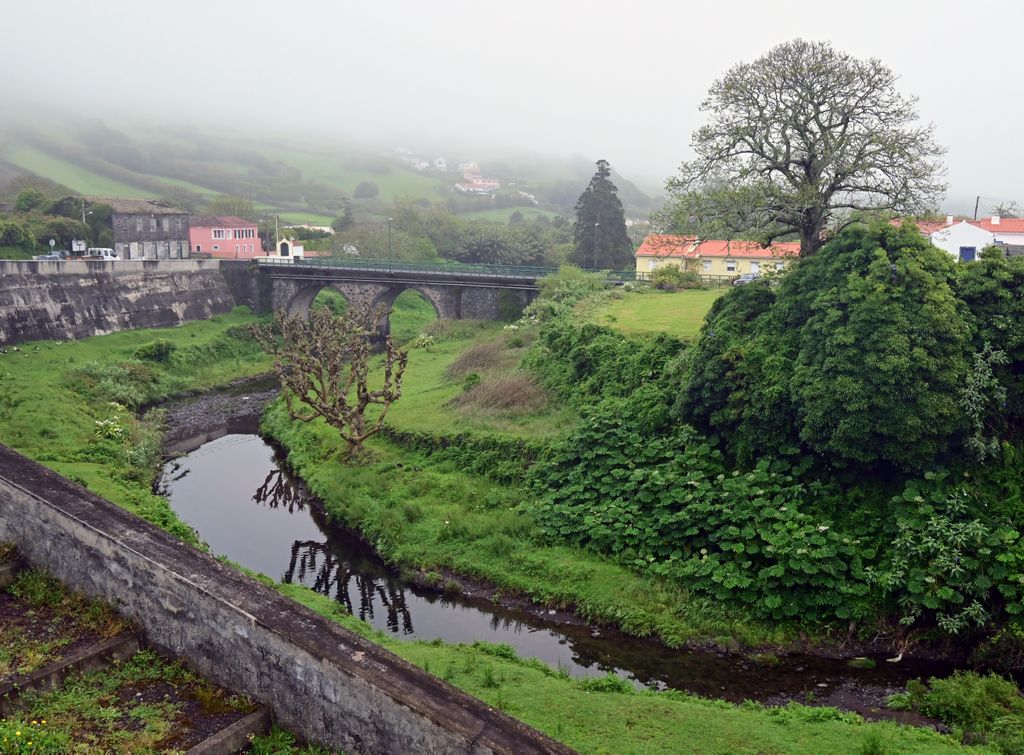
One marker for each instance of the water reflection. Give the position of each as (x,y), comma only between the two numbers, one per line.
(247,507)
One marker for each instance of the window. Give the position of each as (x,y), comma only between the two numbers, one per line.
(730,266)
(216,247)
(755,267)
(236,249)
(652,265)
(780,265)
(167,225)
(177,224)
(706,264)
(138,225)
(152,223)
(968,253)
(180,250)
(219,233)
(199,247)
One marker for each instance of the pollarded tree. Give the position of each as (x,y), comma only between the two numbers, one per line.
(323,365)
(805,139)
(599,236)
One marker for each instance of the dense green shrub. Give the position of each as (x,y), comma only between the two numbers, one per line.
(159,350)
(859,356)
(674,278)
(498,457)
(971,704)
(671,506)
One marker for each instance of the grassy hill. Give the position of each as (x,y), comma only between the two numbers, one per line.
(303,180)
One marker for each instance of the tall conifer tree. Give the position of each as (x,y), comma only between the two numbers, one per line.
(599,236)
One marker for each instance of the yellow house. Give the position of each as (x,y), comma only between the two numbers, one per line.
(712,256)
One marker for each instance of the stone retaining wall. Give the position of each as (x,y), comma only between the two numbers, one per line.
(74,299)
(323,682)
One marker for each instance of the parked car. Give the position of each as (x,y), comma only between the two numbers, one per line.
(100,253)
(746,278)
(58,255)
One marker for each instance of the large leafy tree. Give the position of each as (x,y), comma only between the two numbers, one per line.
(600,240)
(860,355)
(804,140)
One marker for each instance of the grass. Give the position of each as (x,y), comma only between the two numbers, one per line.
(138,706)
(53,618)
(70,405)
(680,313)
(429,389)
(69,174)
(430,515)
(603,716)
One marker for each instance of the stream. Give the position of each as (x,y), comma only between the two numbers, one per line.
(230,485)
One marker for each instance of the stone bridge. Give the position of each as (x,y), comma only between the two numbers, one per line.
(484,292)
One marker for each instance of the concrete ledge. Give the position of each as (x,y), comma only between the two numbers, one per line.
(51,676)
(326,684)
(235,737)
(9,571)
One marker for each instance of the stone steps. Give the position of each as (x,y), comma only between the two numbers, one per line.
(231,739)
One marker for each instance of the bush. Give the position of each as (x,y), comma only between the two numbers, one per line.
(828,360)
(477,358)
(673,278)
(989,706)
(518,394)
(159,350)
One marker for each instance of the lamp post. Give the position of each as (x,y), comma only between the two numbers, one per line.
(390,263)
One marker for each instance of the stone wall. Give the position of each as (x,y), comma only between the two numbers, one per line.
(74,299)
(323,682)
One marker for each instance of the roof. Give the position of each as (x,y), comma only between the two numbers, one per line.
(219,221)
(138,206)
(668,245)
(1005,225)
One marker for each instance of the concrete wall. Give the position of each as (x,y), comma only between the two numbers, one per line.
(74,299)
(323,682)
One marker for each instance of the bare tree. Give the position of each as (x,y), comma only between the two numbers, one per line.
(323,364)
(803,139)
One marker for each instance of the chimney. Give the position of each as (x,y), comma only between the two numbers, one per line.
(995,220)
(949,220)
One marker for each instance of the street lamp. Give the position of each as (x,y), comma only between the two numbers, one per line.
(390,264)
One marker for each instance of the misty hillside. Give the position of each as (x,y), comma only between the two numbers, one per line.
(303,180)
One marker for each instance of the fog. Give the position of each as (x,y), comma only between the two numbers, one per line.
(621,81)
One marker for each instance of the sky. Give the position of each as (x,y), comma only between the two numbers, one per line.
(620,81)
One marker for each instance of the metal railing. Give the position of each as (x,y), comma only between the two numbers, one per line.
(460,269)
(442,269)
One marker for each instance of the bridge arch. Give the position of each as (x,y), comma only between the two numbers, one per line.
(302,301)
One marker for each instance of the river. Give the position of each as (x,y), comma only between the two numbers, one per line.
(231,486)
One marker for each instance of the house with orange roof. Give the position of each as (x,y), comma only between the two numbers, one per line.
(713,257)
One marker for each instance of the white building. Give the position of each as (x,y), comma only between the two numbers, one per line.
(962,239)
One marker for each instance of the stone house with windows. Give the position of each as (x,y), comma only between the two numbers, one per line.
(225,237)
(147,229)
(713,257)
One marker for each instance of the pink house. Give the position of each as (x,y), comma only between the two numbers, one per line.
(224,237)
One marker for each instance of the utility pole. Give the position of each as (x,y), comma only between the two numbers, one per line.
(597,238)
(977,201)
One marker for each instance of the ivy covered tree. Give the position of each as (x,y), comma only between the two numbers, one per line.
(805,140)
(600,241)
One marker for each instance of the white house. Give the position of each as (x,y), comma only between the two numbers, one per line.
(962,239)
(1007,231)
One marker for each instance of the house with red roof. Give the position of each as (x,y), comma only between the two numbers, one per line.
(963,238)
(716,257)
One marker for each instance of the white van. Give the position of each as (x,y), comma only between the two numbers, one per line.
(100,253)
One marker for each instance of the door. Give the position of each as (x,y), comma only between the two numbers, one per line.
(968,253)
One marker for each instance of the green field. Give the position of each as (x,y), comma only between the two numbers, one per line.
(67,173)
(680,313)
(329,168)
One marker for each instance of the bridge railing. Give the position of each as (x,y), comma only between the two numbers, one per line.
(462,269)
